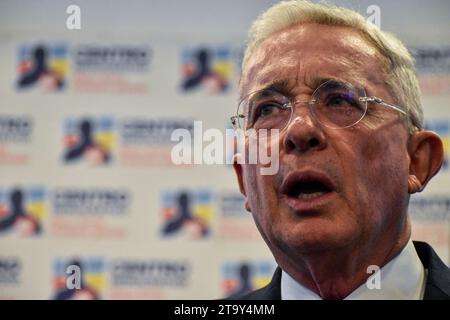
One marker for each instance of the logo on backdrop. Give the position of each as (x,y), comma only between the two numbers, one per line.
(431,218)
(15,136)
(187,213)
(244,276)
(89,140)
(146,142)
(92,279)
(22,211)
(130,142)
(115,69)
(442,128)
(147,279)
(117,58)
(433,68)
(430,207)
(43,66)
(432,59)
(233,221)
(69,200)
(10,270)
(208,68)
(94,68)
(90,212)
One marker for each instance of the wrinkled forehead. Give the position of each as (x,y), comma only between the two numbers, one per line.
(305,54)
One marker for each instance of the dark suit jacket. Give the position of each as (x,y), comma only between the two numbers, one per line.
(437,283)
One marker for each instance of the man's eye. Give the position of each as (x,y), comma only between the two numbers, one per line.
(267,109)
(336,102)
(340,101)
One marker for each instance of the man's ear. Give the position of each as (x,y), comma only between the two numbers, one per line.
(426,152)
(238,170)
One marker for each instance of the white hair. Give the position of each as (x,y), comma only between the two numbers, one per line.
(399,66)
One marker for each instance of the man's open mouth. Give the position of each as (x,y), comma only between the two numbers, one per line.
(308,189)
(305,189)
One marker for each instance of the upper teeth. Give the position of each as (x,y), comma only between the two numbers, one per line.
(310,195)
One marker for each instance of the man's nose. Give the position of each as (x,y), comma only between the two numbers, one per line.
(304,133)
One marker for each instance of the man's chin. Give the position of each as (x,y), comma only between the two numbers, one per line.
(316,239)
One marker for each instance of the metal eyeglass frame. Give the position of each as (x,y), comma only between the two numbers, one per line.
(234,119)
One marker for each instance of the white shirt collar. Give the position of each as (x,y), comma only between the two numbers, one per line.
(402,278)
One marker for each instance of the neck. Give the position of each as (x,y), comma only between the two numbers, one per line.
(336,273)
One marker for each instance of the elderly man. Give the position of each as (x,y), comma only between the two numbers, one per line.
(352,149)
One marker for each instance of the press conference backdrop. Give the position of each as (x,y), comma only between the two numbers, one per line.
(85,123)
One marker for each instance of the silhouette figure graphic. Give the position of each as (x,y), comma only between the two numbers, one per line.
(203,73)
(184,218)
(39,70)
(245,285)
(83,293)
(85,144)
(18,218)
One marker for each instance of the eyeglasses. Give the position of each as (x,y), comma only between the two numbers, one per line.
(334,104)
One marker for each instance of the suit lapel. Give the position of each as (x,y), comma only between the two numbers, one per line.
(438,278)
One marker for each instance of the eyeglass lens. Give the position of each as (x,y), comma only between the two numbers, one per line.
(333,103)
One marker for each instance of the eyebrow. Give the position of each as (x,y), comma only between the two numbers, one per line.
(281,85)
(286,86)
